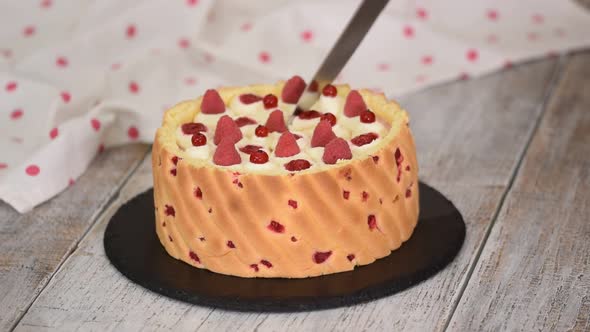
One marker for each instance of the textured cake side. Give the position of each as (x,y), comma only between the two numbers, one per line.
(293,225)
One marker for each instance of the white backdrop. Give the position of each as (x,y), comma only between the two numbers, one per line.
(78,76)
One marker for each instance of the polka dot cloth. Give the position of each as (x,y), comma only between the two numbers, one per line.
(72,85)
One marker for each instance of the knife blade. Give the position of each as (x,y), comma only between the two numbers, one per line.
(347,43)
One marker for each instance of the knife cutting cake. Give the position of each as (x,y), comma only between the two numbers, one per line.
(242,190)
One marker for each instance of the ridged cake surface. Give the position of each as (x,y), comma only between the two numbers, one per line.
(277,223)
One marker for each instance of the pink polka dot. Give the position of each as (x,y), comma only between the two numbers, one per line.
(472,55)
(71,182)
(421,78)
(532,36)
(115,66)
(246,26)
(16,114)
(383,66)
(65,96)
(190,81)
(17,140)
(133,133)
(408,31)
(192,3)
(538,19)
(492,39)
(184,43)
(29,30)
(61,61)
(95,124)
(11,86)
(32,170)
(507,64)
(264,57)
(427,60)
(552,54)
(492,14)
(307,35)
(421,13)
(3,165)
(208,57)
(46,4)
(6,53)
(130,31)
(463,76)
(53,133)
(133,87)
(101,148)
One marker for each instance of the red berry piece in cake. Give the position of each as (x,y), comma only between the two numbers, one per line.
(231,245)
(308,115)
(399,158)
(198,193)
(227,128)
(297,165)
(367,116)
(249,98)
(175,160)
(313,86)
(364,196)
(350,257)
(261,131)
(259,157)
(321,256)
(293,239)
(408,193)
(329,91)
(254,267)
(226,153)
(276,122)
(345,194)
(354,104)
(376,159)
(372,222)
(337,149)
(199,139)
(364,139)
(173,172)
(194,257)
(266,263)
(293,90)
(212,103)
(270,101)
(330,118)
(250,149)
(287,145)
(408,168)
(276,227)
(169,211)
(192,128)
(170,238)
(322,134)
(245,121)
(292,203)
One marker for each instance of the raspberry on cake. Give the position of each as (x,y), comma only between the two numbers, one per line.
(243,192)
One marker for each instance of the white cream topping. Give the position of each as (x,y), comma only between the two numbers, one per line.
(345,127)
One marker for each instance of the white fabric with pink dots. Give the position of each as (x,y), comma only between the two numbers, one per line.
(78,76)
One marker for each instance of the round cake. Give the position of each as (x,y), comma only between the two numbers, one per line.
(243,188)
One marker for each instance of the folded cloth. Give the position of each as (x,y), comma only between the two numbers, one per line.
(78,76)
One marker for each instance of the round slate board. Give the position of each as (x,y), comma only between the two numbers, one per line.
(131,244)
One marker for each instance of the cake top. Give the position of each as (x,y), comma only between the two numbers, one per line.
(251,133)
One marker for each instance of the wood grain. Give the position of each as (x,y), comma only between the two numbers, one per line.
(534,272)
(33,245)
(470,137)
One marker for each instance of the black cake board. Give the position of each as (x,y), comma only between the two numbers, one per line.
(131,244)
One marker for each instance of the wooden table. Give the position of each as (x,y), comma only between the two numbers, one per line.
(511,150)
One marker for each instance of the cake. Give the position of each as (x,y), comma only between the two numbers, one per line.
(241,190)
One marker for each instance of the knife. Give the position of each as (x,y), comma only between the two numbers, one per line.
(351,37)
